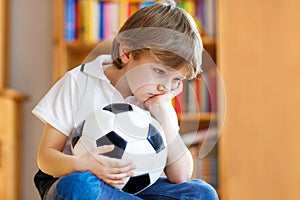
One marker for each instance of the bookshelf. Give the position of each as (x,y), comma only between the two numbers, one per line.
(74,49)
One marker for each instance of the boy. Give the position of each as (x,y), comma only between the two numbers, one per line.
(153,52)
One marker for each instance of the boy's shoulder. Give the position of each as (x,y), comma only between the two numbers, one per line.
(94,68)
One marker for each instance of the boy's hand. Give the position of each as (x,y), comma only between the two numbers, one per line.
(110,170)
(161,108)
(164,97)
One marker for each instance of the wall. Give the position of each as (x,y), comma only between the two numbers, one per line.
(30,73)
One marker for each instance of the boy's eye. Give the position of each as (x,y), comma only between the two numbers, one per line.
(159,71)
(179,79)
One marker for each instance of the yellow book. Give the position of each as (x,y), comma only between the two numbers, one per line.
(93,21)
(124,13)
(190,7)
(83,19)
(133,7)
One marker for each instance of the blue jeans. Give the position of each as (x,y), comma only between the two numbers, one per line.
(86,186)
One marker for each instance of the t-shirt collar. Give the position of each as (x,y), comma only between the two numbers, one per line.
(95,68)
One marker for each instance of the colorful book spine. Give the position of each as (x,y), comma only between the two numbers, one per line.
(124,13)
(205,106)
(107,26)
(203,12)
(209,17)
(101,19)
(70,20)
(146,3)
(205,167)
(198,95)
(115,8)
(93,21)
(133,7)
(83,20)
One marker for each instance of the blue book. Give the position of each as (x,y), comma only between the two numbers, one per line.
(146,3)
(101,32)
(70,20)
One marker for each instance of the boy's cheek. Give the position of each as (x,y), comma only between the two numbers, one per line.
(138,77)
(143,75)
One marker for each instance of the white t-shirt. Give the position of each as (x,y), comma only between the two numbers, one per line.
(78,94)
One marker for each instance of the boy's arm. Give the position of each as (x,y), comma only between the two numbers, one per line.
(179,163)
(53,161)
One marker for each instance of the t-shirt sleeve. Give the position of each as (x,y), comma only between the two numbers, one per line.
(57,107)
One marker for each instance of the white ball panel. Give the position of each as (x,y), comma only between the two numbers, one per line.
(154,175)
(139,147)
(133,124)
(142,160)
(83,145)
(98,124)
(159,160)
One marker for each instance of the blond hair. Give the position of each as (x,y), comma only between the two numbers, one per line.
(168,32)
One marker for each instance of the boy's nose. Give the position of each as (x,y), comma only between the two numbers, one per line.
(163,88)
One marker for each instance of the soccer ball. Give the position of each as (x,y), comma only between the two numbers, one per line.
(136,135)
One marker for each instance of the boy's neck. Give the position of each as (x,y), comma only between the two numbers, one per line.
(118,80)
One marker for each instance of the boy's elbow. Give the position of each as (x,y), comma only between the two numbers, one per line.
(179,179)
(180,176)
(43,166)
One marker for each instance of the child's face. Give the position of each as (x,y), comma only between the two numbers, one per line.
(147,78)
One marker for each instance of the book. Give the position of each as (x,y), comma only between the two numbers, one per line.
(146,3)
(101,31)
(115,19)
(83,19)
(124,13)
(133,7)
(205,166)
(110,19)
(209,17)
(92,21)
(70,20)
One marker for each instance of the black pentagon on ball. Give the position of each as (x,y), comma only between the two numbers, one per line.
(113,138)
(77,133)
(118,108)
(155,139)
(137,183)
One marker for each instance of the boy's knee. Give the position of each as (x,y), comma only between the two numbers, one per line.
(203,190)
(79,185)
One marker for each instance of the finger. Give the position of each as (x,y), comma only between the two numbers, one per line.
(114,162)
(127,169)
(104,149)
(175,91)
(113,182)
(165,97)
(116,178)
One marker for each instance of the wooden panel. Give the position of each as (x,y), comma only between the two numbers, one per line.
(258,53)
(3,43)
(60,65)
(9,148)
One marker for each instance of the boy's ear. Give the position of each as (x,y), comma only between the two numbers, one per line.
(125,53)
